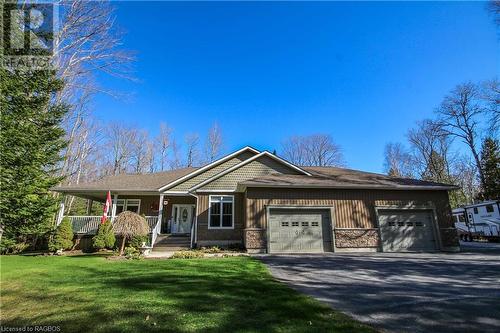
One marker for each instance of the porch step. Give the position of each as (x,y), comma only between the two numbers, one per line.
(172,243)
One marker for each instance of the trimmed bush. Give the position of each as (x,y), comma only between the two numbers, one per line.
(137,241)
(105,238)
(188,254)
(63,238)
(132,253)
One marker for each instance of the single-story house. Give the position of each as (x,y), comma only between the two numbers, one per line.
(267,204)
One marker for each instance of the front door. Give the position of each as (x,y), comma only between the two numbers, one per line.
(182,217)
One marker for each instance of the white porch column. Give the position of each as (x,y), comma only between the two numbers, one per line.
(60,214)
(113,208)
(160,210)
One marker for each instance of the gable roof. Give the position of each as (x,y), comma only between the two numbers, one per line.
(307,177)
(247,161)
(206,167)
(332,177)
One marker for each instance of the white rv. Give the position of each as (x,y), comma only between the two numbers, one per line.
(481,220)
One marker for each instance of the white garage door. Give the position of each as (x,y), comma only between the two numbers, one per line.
(406,230)
(298,231)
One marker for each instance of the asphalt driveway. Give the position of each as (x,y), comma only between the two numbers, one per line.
(402,292)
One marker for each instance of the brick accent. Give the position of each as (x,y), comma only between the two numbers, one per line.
(356,238)
(449,237)
(255,238)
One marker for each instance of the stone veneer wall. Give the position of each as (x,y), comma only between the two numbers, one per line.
(353,238)
(255,238)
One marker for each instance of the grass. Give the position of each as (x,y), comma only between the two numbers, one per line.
(92,294)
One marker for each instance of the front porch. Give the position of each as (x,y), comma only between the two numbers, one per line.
(164,215)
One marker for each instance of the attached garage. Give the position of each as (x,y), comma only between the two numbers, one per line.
(407,230)
(299,230)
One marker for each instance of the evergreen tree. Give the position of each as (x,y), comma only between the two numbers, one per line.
(31,139)
(105,238)
(63,238)
(490,163)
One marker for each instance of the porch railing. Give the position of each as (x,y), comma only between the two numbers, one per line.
(89,224)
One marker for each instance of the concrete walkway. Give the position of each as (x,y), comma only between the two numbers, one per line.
(402,292)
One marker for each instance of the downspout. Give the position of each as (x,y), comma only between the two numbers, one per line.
(194,232)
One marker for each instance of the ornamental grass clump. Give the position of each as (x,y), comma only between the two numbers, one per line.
(129,224)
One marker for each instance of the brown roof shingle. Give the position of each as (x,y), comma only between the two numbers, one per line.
(131,182)
(332,177)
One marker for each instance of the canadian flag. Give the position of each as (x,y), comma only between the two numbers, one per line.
(107,205)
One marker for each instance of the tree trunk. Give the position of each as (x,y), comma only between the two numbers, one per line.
(122,248)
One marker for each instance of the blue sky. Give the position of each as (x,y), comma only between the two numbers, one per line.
(361,72)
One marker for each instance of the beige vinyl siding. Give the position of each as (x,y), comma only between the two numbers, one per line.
(352,208)
(187,184)
(205,234)
(264,165)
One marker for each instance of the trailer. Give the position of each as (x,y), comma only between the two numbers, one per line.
(480,221)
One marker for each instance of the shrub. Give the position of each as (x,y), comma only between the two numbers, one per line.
(137,241)
(63,238)
(211,249)
(187,254)
(132,253)
(8,245)
(105,237)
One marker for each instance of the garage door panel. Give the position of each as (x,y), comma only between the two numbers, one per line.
(407,231)
(295,231)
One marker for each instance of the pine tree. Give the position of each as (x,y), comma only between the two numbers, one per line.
(31,139)
(490,163)
(105,238)
(63,238)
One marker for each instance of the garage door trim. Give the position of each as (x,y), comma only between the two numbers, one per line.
(329,208)
(434,219)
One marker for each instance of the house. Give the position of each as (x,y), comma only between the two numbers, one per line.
(267,204)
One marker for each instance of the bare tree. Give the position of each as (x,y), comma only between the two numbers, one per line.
(192,154)
(490,94)
(313,150)
(494,9)
(175,162)
(120,139)
(458,117)
(213,145)
(465,176)
(293,149)
(163,143)
(139,146)
(430,145)
(398,161)
(88,42)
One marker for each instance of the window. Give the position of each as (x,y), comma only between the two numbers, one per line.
(461,218)
(295,224)
(284,224)
(131,205)
(489,209)
(221,210)
(401,224)
(475,210)
(315,224)
(419,224)
(305,224)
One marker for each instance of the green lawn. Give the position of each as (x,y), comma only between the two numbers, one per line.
(92,294)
